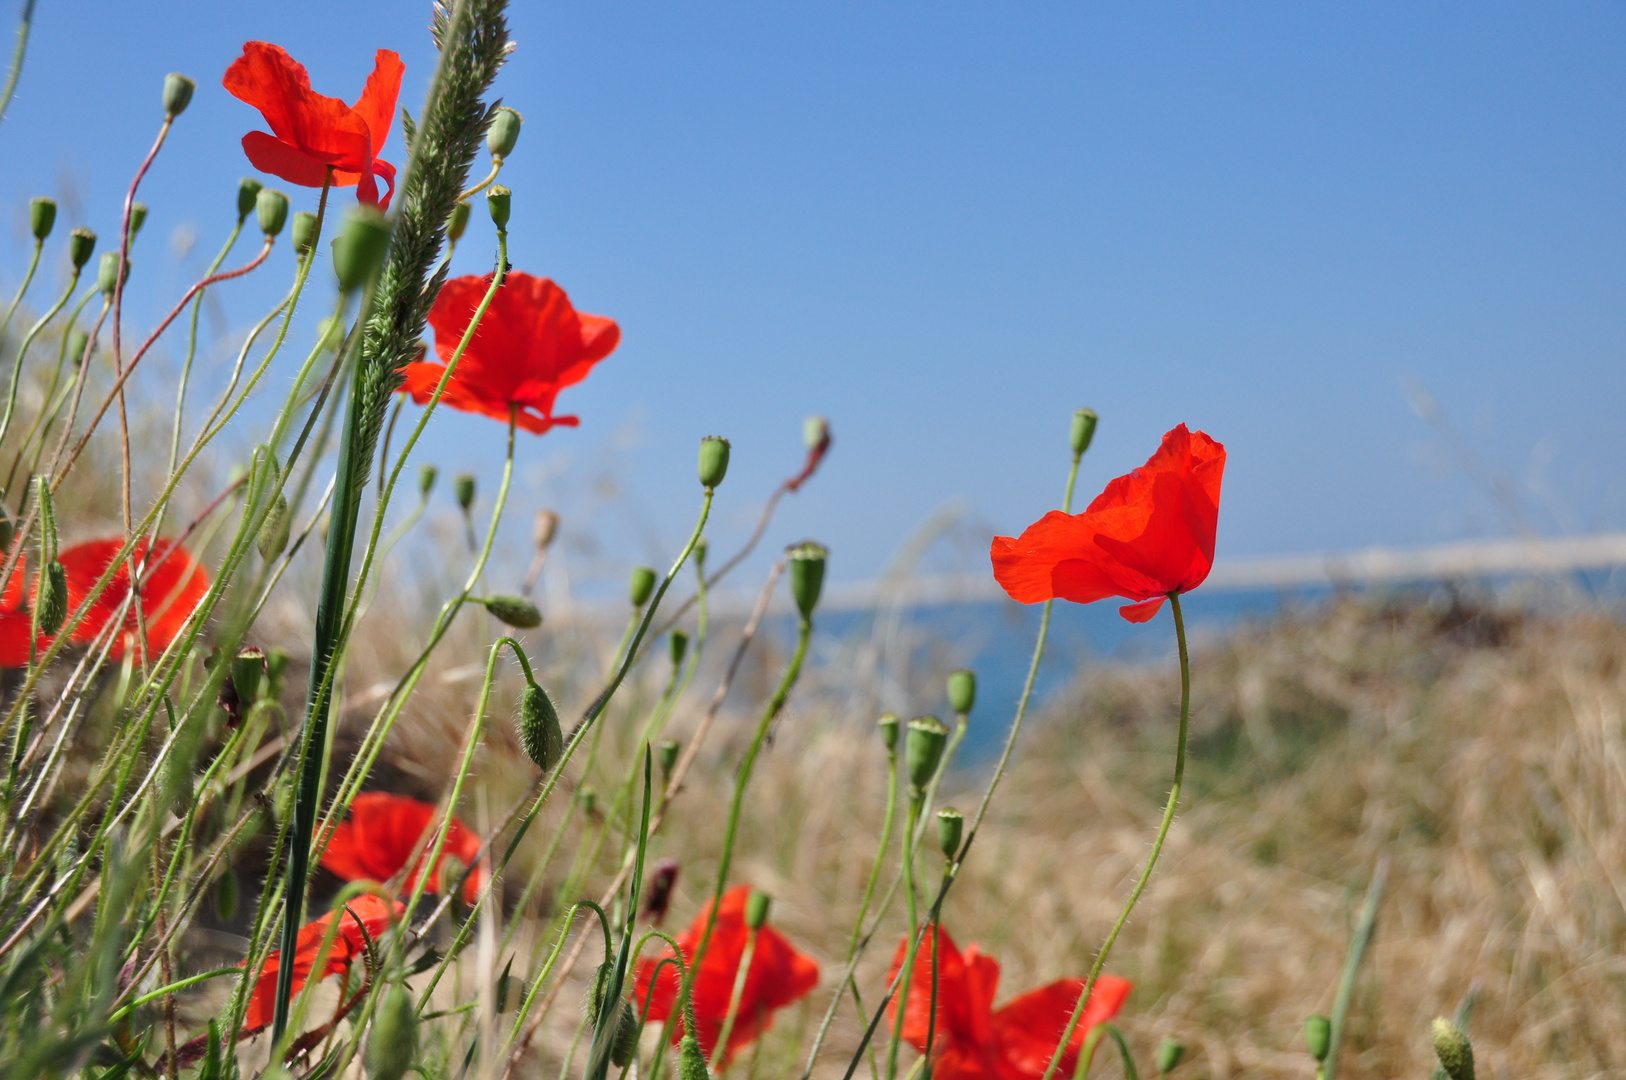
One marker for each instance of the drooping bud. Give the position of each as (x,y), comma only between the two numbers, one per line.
(595,992)
(679,645)
(359,249)
(52,604)
(426,480)
(1083,431)
(271,206)
(503,132)
(962,691)
(713,460)
(304,232)
(661,881)
(1318,1036)
(107,272)
(78,345)
(691,1061)
(1170,1052)
(516,611)
(539,731)
(463,488)
(1451,1046)
(458,222)
(641,586)
(41,217)
(138,218)
(273,538)
(950,826)
(888,725)
(625,1046)
(923,750)
(393,1044)
(499,200)
(544,529)
(81,245)
(177,94)
(248,194)
(806,568)
(666,754)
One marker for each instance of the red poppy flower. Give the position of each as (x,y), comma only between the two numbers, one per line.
(975,1041)
(1149,534)
(383,831)
(364,918)
(778,976)
(312,133)
(530,345)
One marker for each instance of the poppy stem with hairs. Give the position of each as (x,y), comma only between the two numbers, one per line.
(1157,843)
(719,1053)
(915,803)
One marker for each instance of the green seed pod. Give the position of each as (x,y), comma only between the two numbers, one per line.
(272,207)
(678,642)
(463,488)
(499,200)
(458,222)
(304,232)
(539,729)
(962,691)
(923,750)
(248,194)
(806,569)
(1083,431)
(138,218)
(503,132)
(756,909)
(713,460)
(177,94)
(226,897)
(1170,1052)
(1451,1046)
(81,245)
(41,217)
(52,606)
(273,538)
(625,1046)
(691,1061)
(641,586)
(359,250)
(950,827)
(516,611)
(666,755)
(393,1044)
(888,725)
(248,673)
(1318,1036)
(426,480)
(78,344)
(107,272)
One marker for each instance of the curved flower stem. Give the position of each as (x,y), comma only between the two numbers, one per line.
(33,264)
(22,351)
(17,58)
(496,167)
(53,402)
(1157,842)
(720,1051)
(547,969)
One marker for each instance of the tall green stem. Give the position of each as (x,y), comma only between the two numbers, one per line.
(907,972)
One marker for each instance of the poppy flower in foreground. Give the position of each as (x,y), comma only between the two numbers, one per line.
(778,976)
(1149,534)
(530,345)
(362,919)
(384,830)
(975,1041)
(311,132)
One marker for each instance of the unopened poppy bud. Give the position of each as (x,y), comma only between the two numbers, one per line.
(806,569)
(1451,1046)
(1083,430)
(177,94)
(661,880)
(666,754)
(503,132)
(539,730)
(691,1061)
(756,909)
(81,245)
(544,529)
(304,232)
(923,749)
(962,691)
(588,797)
(679,644)
(248,673)
(271,206)
(248,195)
(499,200)
(458,222)
(463,488)
(641,586)
(41,217)
(815,432)
(107,272)
(1318,1036)
(78,344)
(950,826)
(426,480)
(52,603)
(138,218)
(595,993)
(713,460)
(1170,1052)
(625,1046)
(889,731)
(359,249)
(273,538)
(516,611)
(393,1043)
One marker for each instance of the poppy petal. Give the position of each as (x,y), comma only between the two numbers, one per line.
(270,154)
(376,106)
(1143,611)
(1027,1029)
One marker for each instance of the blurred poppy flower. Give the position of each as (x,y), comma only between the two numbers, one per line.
(1149,534)
(975,1041)
(382,833)
(530,345)
(362,919)
(778,976)
(312,133)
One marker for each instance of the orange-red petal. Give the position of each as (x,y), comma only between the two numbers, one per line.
(1027,1029)
(365,917)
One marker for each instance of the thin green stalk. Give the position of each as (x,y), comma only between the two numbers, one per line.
(1364,930)
(906,973)
(17,56)
(22,351)
(52,403)
(33,264)
(720,1051)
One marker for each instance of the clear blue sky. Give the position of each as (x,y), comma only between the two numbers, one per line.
(947,225)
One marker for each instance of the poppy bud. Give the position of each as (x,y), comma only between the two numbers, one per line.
(272,207)
(393,1043)
(273,538)
(81,243)
(503,132)
(667,754)
(304,232)
(691,1062)
(642,586)
(248,673)
(138,218)
(1451,1046)
(661,881)
(516,611)
(923,749)
(679,644)
(107,272)
(52,604)
(426,480)
(889,731)
(627,1029)
(177,94)
(713,460)
(756,909)
(359,249)
(78,344)
(806,575)
(1083,430)
(41,217)
(962,691)
(950,826)
(499,201)
(226,897)
(588,797)
(539,728)
(1318,1036)
(1169,1054)
(458,222)
(463,488)
(544,528)
(815,432)
(248,194)
(595,993)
